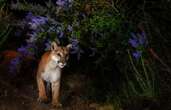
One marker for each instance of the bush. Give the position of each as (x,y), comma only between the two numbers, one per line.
(109,42)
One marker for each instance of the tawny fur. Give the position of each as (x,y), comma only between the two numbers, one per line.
(49,70)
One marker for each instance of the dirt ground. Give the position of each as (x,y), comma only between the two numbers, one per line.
(14,96)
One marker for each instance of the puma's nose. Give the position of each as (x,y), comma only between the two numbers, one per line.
(61,65)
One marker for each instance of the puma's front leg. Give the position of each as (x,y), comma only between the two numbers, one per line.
(55,94)
(42,90)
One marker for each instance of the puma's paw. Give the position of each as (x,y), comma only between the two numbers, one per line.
(56,105)
(42,100)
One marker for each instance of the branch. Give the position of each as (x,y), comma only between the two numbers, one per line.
(154,54)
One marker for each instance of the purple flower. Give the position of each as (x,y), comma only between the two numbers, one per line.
(134,42)
(138,40)
(32,26)
(15,65)
(33,37)
(60,2)
(42,20)
(26,50)
(35,21)
(142,38)
(22,50)
(39,20)
(137,54)
(29,16)
(76,48)
(61,35)
(64,3)
(74,42)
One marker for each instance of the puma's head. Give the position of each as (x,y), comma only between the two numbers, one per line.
(60,54)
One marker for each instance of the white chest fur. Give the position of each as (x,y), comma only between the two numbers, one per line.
(52,73)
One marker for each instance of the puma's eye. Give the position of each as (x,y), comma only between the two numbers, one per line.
(67,57)
(58,54)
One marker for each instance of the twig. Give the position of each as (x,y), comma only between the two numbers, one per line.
(154,54)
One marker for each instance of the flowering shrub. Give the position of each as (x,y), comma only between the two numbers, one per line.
(41,31)
(139,42)
(99,33)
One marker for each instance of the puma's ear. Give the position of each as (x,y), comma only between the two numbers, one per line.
(57,41)
(54,46)
(69,46)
